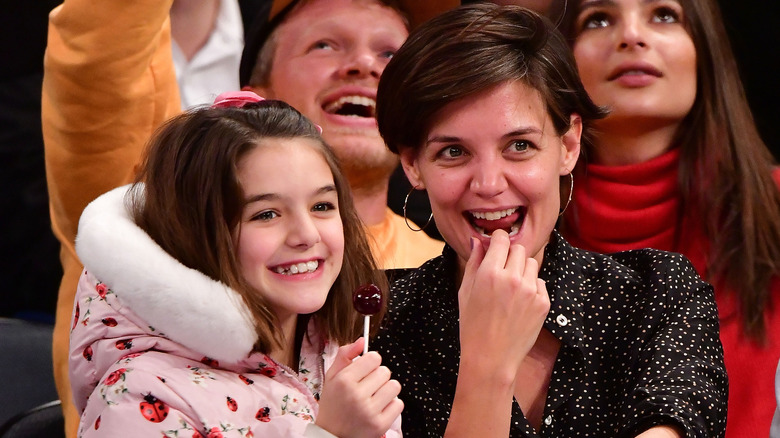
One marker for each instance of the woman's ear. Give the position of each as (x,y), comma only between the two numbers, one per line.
(570,142)
(409,163)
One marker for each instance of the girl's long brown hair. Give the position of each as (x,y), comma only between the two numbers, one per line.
(189,199)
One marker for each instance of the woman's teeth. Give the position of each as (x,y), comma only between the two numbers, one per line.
(494,216)
(512,230)
(298,268)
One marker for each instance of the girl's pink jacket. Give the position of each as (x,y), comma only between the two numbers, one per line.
(158,349)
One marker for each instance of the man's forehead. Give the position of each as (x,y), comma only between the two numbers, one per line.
(415,11)
(320,10)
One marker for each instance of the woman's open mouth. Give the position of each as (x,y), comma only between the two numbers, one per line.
(486,222)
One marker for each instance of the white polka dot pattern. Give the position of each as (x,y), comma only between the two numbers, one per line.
(640,346)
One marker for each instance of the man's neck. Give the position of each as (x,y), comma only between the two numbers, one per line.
(371,203)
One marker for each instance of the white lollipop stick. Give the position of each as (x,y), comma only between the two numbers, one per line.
(366,323)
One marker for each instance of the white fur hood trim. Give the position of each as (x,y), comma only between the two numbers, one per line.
(189,307)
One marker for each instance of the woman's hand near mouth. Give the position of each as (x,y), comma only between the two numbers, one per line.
(503,304)
(502,301)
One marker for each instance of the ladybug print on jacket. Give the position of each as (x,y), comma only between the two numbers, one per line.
(267,370)
(124,344)
(76,316)
(110,322)
(214,433)
(87,353)
(97,423)
(115,376)
(231,404)
(210,362)
(264,414)
(153,410)
(246,380)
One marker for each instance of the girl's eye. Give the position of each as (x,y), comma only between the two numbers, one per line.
(594,21)
(451,152)
(387,54)
(323,206)
(666,15)
(265,216)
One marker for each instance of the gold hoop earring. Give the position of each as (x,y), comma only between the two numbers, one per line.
(406,219)
(571,191)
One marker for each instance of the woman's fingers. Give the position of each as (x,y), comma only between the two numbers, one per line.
(470,272)
(507,302)
(498,251)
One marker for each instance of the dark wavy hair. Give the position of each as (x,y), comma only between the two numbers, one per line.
(189,199)
(726,170)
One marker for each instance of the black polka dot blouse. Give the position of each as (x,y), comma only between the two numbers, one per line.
(639,345)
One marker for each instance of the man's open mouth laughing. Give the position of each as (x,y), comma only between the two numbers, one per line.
(352,105)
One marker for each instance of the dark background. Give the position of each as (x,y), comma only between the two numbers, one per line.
(755,36)
(30,270)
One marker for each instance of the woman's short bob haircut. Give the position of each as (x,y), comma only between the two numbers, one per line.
(470,49)
(189,199)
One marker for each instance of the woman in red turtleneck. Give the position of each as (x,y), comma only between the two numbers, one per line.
(678,165)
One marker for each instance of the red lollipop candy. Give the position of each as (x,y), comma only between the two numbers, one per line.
(367,299)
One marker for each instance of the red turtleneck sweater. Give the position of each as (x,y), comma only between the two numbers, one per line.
(616,208)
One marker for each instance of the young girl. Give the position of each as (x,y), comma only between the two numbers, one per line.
(678,165)
(217,288)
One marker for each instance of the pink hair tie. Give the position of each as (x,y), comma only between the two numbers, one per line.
(235,99)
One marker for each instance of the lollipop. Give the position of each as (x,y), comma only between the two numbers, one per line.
(367,300)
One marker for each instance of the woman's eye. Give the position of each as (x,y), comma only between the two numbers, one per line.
(323,206)
(265,215)
(520,145)
(666,15)
(451,152)
(595,20)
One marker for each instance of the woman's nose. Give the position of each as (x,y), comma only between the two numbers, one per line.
(489,179)
(632,32)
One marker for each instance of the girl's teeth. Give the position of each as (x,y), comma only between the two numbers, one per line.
(493,215)
(298,268)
